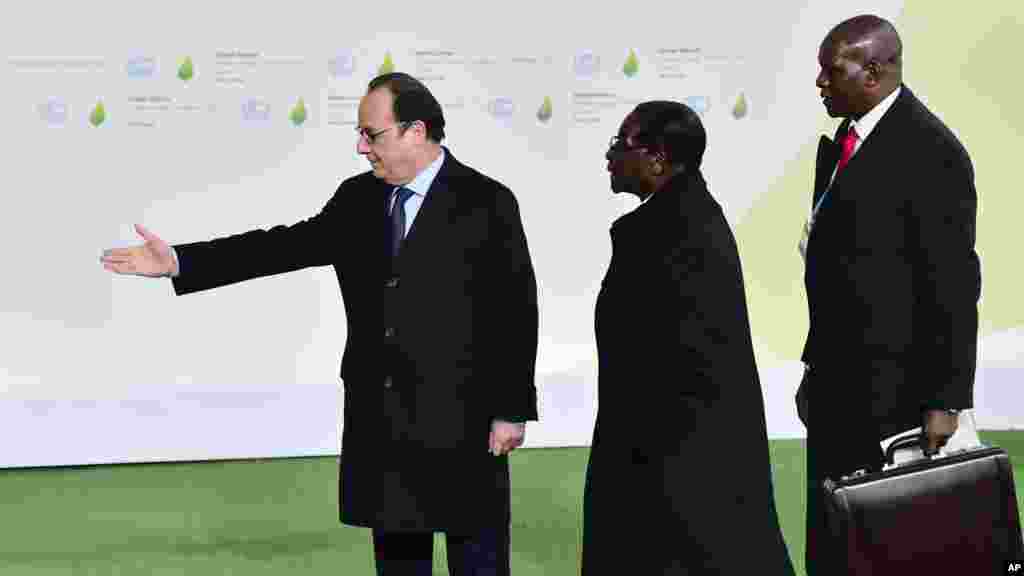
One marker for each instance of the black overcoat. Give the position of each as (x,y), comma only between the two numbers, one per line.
(679,479)
(453,321)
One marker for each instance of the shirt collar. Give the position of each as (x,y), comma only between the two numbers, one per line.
(421,183)
(868,122)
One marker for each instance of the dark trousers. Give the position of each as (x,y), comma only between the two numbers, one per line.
(841,439)
(484,553)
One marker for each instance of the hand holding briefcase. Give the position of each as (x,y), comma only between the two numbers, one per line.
(953,514)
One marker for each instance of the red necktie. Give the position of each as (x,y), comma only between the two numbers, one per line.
(849,144)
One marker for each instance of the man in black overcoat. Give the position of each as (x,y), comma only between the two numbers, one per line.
(440,299)
(679,479)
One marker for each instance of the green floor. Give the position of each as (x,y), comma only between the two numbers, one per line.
(280,516)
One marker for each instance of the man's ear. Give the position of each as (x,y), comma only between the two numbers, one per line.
(658,163)
(874,73)
(419,127)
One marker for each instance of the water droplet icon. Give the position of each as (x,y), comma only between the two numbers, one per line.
(98,115)
(185,71)
(544,112)
(739,110)
(388,66)
(632,65)
(298,113)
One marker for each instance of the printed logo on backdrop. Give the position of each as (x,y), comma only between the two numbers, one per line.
(140,66)
(742,107)
(98,115)
(54,112)
(343,64)
(545,111)
(186,70)
(698,104)
(586,64)
(255,112)
(632,65)
(298,114)
(502,108)
(388,65)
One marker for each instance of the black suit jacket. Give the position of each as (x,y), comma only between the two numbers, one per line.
(892,276)
(453,321)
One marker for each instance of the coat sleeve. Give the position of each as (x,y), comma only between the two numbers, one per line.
(258,253)
(947,280)
(513,308)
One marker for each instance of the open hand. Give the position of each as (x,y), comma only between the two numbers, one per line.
(153,258)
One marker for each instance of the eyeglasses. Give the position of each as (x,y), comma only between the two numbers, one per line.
(371,137)
(620,143)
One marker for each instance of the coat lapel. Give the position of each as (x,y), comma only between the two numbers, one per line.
(433,214)
(828,157)
(876,149)
(387,192)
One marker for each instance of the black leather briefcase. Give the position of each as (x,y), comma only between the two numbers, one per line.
(954,514)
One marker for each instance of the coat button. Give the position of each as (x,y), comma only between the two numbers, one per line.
(389,332)
(391,283)
(387,382)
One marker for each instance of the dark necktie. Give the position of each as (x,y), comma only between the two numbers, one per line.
(398,219)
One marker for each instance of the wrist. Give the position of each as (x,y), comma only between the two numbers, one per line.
(174,265)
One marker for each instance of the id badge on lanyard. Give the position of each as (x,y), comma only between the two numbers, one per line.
(809,225)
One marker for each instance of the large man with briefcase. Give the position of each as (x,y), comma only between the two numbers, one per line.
(891,273)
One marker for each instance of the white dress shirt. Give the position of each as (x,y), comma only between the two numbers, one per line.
(867,123)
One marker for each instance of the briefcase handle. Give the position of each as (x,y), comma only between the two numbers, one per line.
(906,441)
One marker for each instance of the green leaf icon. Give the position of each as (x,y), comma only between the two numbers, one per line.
(544,113)
(632,66)
(298,114)
(98,115)
(185,71)
(388,66)
(739,110)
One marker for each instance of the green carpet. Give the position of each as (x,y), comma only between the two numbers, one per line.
(280,516)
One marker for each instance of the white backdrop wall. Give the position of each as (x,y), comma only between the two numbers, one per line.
(96,368)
